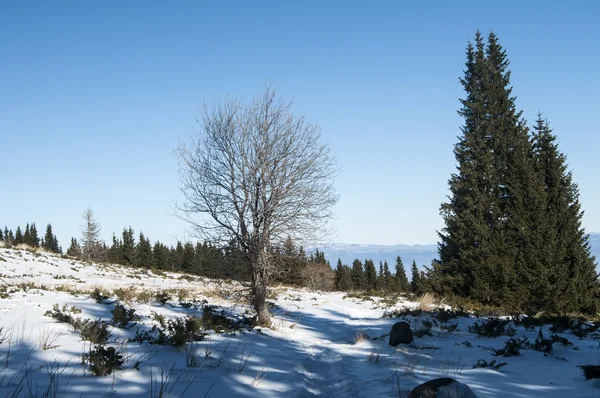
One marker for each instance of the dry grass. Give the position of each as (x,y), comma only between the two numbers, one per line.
(427,302)
(360,336)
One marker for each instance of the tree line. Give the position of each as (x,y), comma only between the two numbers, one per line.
(364,276)
(29,236)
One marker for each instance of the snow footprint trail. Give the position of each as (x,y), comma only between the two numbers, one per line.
(332,366)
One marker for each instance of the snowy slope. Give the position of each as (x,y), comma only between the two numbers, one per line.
(309,351)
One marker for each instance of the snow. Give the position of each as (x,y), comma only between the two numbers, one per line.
(310,350)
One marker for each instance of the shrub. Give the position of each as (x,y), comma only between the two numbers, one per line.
(163,297)
(215,321)
(402,312)
(492,327)
(485,364)
(60,315)
(590,371)
(95,332)
(512,347)
(126,294)
(99,295)
(103,361)
(121,316)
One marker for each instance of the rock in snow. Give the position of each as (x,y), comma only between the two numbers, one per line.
(401,333)
(442,388)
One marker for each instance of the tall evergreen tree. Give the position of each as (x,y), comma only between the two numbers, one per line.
(50,241)
(358,275)
(1,235)
(401,281)
(18,236)
(343,277)
(128,247)
(415,280)
(571,281)
(388,279)
(491,246)
(188,258)
(27,235)
(370,275)
(143,253)
(33,236)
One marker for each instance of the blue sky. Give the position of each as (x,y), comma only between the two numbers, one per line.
(94,97)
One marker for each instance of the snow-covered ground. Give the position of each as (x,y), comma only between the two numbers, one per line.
(313,348)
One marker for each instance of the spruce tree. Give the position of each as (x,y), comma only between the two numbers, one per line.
(401,281)
(27,235)
(491,246)
(143,253)
(74,250)
(1,235)
(127,247)
(358,275)
(415,280)
(570,279)
(33,236)
(370,275)
(50,241)
(18,236)
(188,258)
(388,279)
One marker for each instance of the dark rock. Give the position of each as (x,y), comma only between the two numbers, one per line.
(401,334)
(442,388)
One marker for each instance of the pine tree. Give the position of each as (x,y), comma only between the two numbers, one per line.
(33,236)
(10,237)
(50,241)
(143,253)
(90,232)
(415,281)
(491,246)
(358,277)
(343,280)
(177,256)
(1,235)
(388,279)
(570,280)
(27,235)
(370,275)
(401,281)
(18,236)
(74,250)
(128,247)
(188,258)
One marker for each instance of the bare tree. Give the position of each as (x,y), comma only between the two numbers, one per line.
(90,231)
(256,173)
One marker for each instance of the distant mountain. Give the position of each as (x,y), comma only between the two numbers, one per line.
(422,254)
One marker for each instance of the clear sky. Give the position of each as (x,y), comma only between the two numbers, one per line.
(94,97)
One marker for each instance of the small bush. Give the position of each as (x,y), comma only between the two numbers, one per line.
(485,364)
(95,332)
(211,320)
(492,327)
(512,347)
(402,312)
(145,296)
(163,297)
(121,316)
(590,371)
(126,294)
(103,361)
(62,315)
(99,295)
(182,330)
(444,315)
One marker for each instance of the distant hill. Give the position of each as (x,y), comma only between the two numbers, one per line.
(422,254)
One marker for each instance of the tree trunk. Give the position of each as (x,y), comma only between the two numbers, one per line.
(259,291)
